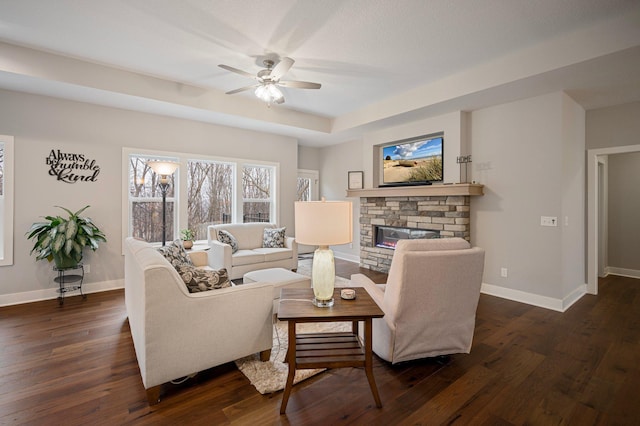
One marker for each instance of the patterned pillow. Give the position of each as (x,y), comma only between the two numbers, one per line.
(273,237)
(176,254)
(225,237)
(198,280)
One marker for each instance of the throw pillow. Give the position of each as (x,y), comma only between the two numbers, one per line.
(176,254)
(198,280)
(225,237)
(273,237)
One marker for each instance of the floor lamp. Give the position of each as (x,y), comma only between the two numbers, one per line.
(323,223)
(164,169)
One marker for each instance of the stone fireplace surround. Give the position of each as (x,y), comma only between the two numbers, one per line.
(446,211)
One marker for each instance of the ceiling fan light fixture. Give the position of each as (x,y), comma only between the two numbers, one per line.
(269,93)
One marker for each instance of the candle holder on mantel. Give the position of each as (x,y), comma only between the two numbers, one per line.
(464,159)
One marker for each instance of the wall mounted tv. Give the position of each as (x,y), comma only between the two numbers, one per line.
(415,161)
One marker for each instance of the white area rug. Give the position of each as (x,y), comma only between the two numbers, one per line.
(271,376)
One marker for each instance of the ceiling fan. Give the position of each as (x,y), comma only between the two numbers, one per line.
(268,80)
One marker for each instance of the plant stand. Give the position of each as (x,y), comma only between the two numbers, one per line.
(69,279)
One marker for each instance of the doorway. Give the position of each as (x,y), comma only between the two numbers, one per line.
(596,197)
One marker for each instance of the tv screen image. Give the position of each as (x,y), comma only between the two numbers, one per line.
(417,162)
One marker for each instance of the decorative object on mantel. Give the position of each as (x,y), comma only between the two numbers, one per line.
(464,159)
(187,238)
(356,180)
(164,169)
(323,223)
(71,168)
(63,240)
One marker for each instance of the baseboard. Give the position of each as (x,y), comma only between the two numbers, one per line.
(346,256)
(559,305)
(623,272)
(52,292)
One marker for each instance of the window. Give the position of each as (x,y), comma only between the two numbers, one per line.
(257,194)
(145,201)
(203,191)
(307,187)
(210,194)
(6,200)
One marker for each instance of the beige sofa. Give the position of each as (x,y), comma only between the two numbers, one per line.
(429,300)
(250,256)
(176,333)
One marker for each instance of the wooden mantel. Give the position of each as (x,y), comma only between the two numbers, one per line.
(420,191)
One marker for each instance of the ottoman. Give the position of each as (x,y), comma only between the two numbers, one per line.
(280,278)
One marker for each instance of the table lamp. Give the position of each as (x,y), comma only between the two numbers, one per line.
(323,223)
(164,169)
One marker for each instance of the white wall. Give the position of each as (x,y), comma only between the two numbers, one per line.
(41,124)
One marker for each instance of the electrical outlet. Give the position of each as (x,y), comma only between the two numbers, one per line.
(87,268)
(548,221)
(503,272)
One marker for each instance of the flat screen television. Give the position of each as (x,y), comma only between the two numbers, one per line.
(415,161)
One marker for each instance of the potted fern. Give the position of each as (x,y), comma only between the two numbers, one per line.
(62,240)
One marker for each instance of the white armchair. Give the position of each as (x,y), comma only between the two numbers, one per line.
(429,300)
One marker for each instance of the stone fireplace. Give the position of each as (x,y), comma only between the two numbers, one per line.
(446,213)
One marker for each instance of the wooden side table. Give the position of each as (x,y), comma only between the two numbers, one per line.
(328,350)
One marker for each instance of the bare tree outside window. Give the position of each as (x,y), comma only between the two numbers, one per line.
(304,189)
(256,193)
(210,195)
(145,202)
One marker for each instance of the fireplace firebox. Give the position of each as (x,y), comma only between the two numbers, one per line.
(388,236)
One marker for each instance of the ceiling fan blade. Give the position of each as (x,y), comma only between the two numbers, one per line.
(242,89)
(237,71)
(300,84)
(281,69)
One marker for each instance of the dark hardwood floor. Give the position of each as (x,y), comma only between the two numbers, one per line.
(75,365)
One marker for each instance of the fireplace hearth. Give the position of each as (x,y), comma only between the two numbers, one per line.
(388,236)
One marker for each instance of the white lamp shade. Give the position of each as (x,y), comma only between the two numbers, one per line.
(163,167)
(323,223)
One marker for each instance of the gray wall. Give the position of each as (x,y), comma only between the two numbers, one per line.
(337,161)
(614,126)
(309,158)
(41,124)
(624,211)
(529,155)
(611,127)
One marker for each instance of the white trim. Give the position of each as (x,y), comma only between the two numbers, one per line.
(559,305)
(346,256)
(623,272)
(52,292)
(7,203)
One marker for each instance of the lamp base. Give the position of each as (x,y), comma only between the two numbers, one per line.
(323,276)
(323,303)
